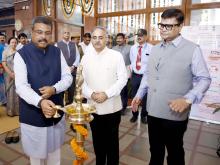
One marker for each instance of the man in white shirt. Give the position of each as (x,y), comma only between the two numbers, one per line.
(86,41)
(139,55)
(41,75)
(22,38)
(105,75)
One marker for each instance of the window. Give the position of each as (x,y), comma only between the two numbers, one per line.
(108,6)
(165,3)
(204,1)
(205,17)
(126,24)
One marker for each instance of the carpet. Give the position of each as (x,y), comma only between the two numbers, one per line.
(7,123)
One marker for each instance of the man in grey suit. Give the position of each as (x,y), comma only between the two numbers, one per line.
(72,57)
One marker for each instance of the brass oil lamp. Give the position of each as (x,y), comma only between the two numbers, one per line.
(78,114)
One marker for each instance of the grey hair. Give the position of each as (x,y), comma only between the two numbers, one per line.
(101,28)
(42,19)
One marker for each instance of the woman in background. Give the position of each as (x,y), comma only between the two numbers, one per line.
(2,84)
(8,63)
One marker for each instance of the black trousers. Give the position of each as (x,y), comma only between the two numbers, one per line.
(71,89)
(105,134)
(166,133)
(135,83)
(124,96)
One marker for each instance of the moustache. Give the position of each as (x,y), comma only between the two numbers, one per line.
(43,40)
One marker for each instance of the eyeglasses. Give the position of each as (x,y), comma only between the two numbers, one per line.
(40,32)
(168,27)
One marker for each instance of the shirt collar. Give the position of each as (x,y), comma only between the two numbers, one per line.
(98,53)
(66,42)
(174,42)
(143,45)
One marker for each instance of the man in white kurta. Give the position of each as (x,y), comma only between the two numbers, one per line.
(41,75)
(105,76)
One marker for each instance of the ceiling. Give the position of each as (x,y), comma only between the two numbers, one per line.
(6,3)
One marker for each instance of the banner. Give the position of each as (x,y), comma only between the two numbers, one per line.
(208,37)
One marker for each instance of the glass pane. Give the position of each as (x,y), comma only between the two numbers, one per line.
(165,3)
(205,17)
(108,6)
(204,1)
(125,24)
(154,31)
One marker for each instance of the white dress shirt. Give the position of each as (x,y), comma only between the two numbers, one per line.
(84,46)
(19,46)
(145,52)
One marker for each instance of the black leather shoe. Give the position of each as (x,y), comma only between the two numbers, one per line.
(144,120)
(133,119)
(8,138)
(15,137)
(122,112)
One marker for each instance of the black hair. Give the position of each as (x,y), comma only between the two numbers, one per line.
(87,35)
(121,34)
(42,19)
(22,35)
(173,13)
(11,38)
(1,34)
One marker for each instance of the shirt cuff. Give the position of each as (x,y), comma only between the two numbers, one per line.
(191,97)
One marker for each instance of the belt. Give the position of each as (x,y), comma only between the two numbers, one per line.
(137,74)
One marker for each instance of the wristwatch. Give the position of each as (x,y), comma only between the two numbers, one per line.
(188,101)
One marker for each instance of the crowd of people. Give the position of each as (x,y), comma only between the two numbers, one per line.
(159,76)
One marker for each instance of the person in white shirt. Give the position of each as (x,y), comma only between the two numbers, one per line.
(105,75)
(22,38)
(86,41)
(139,55)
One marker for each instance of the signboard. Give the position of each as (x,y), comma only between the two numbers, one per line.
(208,37)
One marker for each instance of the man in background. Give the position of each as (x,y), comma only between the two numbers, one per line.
(3,40)
(22,38)
(139,55)
(124,49)
(72,57)
(86,41)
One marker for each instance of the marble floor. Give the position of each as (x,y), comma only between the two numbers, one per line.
(200,142)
